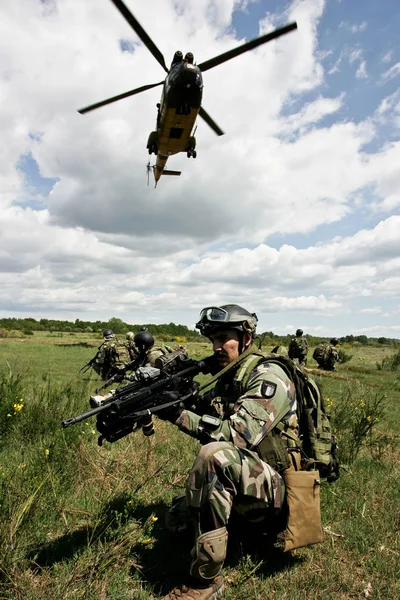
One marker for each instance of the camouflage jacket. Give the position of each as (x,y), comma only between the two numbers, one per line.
(298,347)
(112,354)
(248,402)
(325,353)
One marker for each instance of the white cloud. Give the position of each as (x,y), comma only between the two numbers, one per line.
(376,310)
(392,72)
(108,245)
(362,70)
(387,57)
(354,28)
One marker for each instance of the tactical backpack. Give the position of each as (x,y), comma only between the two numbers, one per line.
(119,353)
(316,442)
(322,353)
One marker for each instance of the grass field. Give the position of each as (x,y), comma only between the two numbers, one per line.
(82,522)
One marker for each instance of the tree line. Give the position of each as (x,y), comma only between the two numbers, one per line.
(163,331)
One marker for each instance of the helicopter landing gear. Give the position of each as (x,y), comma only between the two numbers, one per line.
(191,153)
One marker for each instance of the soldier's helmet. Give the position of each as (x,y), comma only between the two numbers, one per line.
(143,328)
(299,332)
(108,334)
(228,316)
(144,340)
(130,335)
(334,341)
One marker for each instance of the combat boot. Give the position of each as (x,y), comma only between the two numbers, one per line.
(208,557)
(196,591)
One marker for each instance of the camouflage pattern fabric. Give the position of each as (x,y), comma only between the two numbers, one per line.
(111,355)
(133,351)
(229,470)
(280,351)
(298,348)
(155,352)
(269,397)
(326,356)
(224,476)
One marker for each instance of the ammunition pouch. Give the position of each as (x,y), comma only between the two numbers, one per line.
(273,450)
(303,499)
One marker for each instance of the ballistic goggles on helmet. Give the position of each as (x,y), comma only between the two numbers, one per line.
(215,317)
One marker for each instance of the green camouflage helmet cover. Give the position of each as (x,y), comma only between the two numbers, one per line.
(130,335)
(227,316)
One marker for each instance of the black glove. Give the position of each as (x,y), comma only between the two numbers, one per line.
(169,413)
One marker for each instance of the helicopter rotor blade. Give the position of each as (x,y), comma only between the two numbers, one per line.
(210,122)
(218,60)
(138,90)
(140,32)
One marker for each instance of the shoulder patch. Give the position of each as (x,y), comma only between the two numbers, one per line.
(268,389)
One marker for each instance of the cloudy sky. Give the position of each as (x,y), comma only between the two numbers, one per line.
(294,213)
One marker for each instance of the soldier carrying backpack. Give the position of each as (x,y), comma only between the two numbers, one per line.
(298,348)
(112,355)
(266,441)
(326,355)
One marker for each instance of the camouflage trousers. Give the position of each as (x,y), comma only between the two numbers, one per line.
(224,477)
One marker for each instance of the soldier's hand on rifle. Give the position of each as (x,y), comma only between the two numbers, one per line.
(172,412)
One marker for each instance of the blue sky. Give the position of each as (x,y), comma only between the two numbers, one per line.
(294,213)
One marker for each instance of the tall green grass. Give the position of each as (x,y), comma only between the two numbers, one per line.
(82,522)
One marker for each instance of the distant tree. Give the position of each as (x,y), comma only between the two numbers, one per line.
(117,325)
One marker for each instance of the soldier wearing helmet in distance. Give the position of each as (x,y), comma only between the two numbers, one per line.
(144,344)
(111,356)
(326,355)
(240,424)
(298,348)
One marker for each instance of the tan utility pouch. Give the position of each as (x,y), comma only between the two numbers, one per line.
(304,519)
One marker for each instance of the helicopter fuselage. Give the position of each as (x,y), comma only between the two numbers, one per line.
(181,99)
(177,112)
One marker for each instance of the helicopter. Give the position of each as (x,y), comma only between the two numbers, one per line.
(181,97)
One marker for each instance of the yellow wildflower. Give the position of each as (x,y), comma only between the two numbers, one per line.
(18,407)
(148,541)
(376,419)
(369,419)
(9,415)
(22,466)
(47,452)
(153,518)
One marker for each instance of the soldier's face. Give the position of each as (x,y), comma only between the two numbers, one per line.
(226,345)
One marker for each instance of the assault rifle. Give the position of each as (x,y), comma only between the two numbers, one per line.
(88,365)
(130,408)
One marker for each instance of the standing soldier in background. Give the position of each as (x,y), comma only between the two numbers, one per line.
(298,348)
(130,337)
(111,356)
(326,355)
